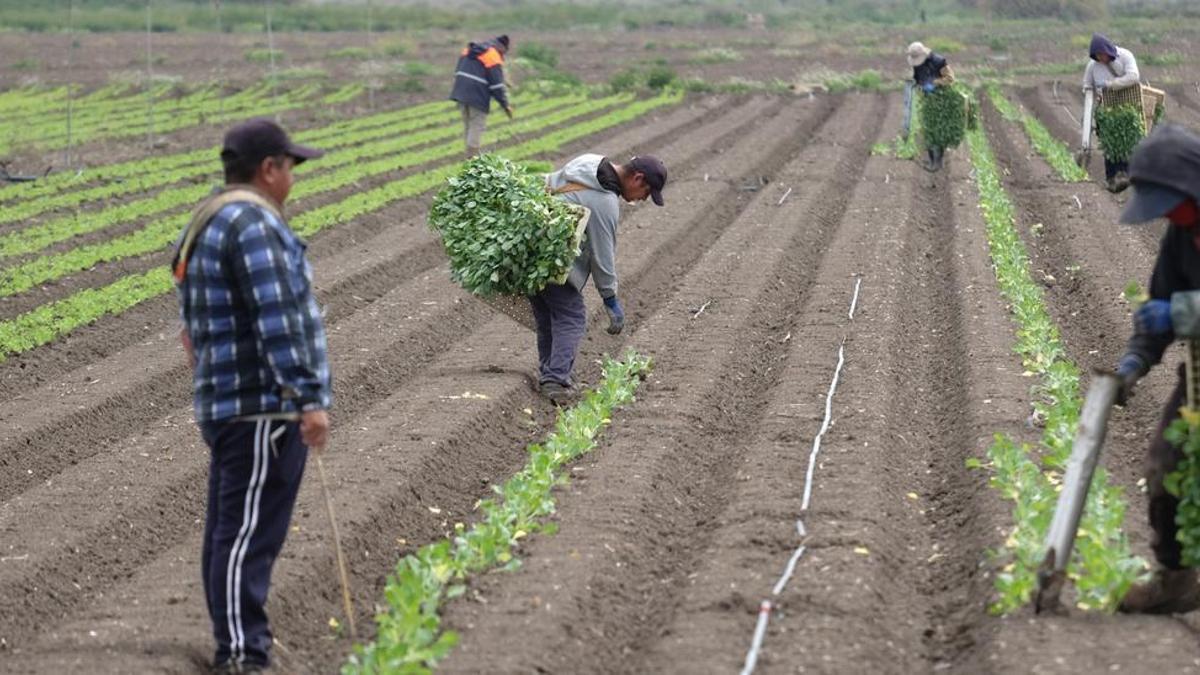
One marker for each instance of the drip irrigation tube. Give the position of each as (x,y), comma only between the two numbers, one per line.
(764,610)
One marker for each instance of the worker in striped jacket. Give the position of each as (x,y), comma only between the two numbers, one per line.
(478,78)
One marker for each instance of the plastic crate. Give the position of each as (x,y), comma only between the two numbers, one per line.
(1148,98)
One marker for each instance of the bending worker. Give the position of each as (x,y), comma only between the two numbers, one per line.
(930,71)
(478,78)
(1111,68)
(597,183)
(1165,170)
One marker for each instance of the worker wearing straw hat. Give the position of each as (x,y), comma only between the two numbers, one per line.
(930,71)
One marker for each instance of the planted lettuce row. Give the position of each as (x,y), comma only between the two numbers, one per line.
(395,140)
(1102,567)
(409,636)
(147,169)
(1054,151)
(49,322)
(162,233)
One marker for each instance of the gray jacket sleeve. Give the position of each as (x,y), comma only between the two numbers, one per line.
(1131,76)
(1185,314)
(602,238)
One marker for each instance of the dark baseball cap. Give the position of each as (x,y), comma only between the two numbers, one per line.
(1164,171)
(253,141)
(1151,201)
(655,172)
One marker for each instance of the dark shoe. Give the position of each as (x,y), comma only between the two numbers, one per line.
(1120,182)
(233,668)
(1167,592)
(938,155)
(559,394)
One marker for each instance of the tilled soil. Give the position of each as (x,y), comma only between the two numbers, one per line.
(675,530)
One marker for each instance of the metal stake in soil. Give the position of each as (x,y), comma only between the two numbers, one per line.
(1085,453)
(344,578)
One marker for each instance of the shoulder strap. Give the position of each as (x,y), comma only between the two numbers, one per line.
(205,212)
(568,188)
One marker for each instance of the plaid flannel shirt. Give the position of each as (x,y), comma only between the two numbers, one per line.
(255,327)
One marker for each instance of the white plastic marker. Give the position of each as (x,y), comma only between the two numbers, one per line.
(764,610)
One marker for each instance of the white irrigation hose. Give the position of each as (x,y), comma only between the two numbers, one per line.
(764,610)
(760,631)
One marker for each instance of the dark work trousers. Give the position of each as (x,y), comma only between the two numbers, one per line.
(1164,458)
(561,322)
(1112,168)
(254,475)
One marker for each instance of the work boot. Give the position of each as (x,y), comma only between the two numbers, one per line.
(938,154)
(558,394)
(1167,592)
(928,164)
(1111,184)
(1120,182)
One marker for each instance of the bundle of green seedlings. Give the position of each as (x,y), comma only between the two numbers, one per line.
(944,115)
(503,232)
(1102,566)
(1120,128)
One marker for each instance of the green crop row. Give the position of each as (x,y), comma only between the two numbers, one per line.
(48,322)
(174,117)
(162,233)
(1102,567)
(162,170)
(409,636)
(37,237)
(1054,151)
(905,147)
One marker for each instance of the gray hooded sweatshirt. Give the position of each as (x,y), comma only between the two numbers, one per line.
(598,254)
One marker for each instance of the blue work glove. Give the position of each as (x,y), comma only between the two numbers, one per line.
(616,315)
(1153,318)
(1130,369)
(928,87)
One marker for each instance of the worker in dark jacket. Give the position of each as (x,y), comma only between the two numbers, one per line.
(478,78)
(1165,172)
(930,71)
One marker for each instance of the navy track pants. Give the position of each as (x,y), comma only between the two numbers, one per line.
(254,476)
(561,323)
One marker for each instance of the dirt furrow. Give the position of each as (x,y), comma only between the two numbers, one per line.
(155,319)
(100,402)
(383,316)
(593,597)
(1084,260)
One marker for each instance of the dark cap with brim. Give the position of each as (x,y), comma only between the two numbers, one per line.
(1151,201)
(253,141)
(655,172)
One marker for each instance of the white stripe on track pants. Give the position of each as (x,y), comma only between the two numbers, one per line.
(254,475)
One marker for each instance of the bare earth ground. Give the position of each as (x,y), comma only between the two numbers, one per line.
(675,529)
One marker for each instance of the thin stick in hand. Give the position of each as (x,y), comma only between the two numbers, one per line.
(347,606)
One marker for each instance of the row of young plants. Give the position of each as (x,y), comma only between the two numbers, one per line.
(1102,567)
(162,233)
(148,172)
(53,320)
(905,146)
(1055,152)
(409,634)
(396,139)
(48,128)
(177,116)
(107,101)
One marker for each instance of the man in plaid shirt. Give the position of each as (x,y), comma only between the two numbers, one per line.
(254,337)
